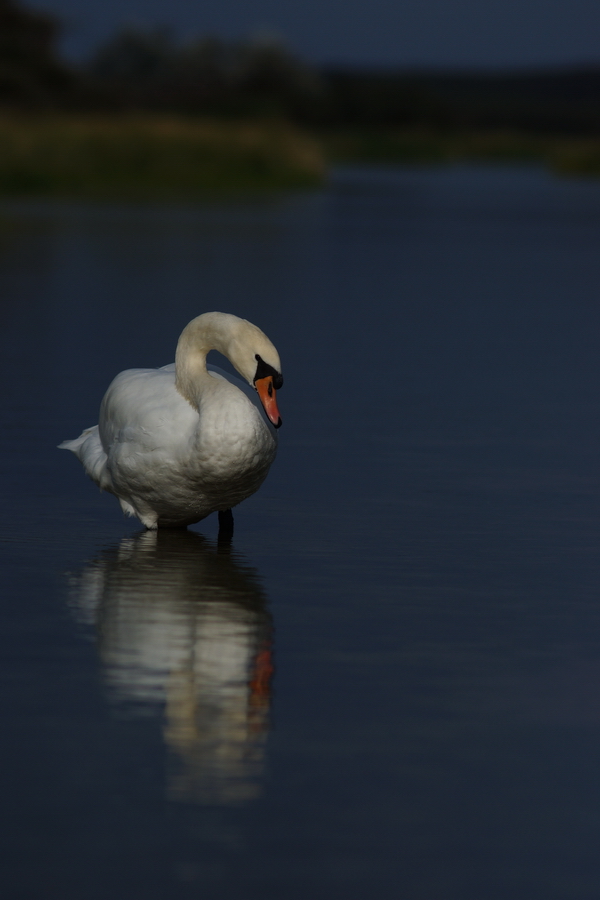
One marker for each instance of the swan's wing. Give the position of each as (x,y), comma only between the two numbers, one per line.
(245,388)
(143,411)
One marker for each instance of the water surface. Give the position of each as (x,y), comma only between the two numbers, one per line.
(389,685)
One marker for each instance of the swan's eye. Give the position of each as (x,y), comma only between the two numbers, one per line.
(264,370)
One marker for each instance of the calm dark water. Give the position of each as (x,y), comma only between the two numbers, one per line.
(389,686)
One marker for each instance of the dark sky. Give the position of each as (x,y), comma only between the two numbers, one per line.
(385,32)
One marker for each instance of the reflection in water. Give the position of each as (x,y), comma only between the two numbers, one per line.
(185,625)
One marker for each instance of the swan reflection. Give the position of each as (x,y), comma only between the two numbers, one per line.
(183,626)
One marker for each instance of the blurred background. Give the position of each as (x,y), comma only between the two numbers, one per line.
(288,89)
(387,685)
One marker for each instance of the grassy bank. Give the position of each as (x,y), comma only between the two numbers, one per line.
(146,158)
(174,158)
(565,155)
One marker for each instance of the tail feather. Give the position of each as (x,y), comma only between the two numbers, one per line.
(76,443)
(89,451)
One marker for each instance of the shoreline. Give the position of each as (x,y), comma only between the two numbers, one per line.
(171,158)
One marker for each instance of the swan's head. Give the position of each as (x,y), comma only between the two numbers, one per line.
(267,381)
(244,345)
(255,357)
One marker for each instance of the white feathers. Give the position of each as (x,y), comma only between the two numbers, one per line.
(177,443)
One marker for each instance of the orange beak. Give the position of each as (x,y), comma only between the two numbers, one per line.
(266,392)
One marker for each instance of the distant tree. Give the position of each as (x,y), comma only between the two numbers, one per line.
(147,70)
(30,73)
(206,62)
(276,79)
(134,57)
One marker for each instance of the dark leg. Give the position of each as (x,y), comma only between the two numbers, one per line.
(225,527)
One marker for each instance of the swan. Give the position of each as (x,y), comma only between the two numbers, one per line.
(178,443)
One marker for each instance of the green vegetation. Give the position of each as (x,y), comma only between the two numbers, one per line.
(151,157)
(143,157)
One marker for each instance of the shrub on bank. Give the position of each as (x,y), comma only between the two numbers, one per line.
(149,157)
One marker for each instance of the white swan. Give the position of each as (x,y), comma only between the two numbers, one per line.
(178,443)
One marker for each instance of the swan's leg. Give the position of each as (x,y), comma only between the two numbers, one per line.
(225,526)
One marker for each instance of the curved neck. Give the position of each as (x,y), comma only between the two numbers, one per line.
(211,331)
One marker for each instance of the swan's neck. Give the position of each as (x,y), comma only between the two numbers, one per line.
(207,332)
